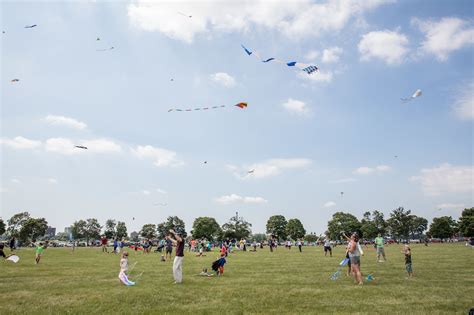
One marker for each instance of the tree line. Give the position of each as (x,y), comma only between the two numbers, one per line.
(400,225)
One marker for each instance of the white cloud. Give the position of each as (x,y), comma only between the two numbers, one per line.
(343,180)
(233,198)
(62,146)
(365,170)
(446,179)
(451,206)
(20,143)
(464,103)
(296,20)
(146,192)
(331,55)
(67,146)
(161,157)
(312,55)
(161,191)
(329,204)
(223,79)
(389,46)
(268,168)
(445,36)
(16,181)
(65,121)
(101,146)
(53,181)
(320,76)
(296,107)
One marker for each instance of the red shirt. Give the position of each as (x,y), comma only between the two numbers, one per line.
(103,241)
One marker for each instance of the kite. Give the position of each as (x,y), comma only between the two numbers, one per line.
(133,219)
(183,14)
(15,80)
(342,194)
(81,147)
(31,26)
(370,278)
(205,162)
(14,258)
(240,105)
(417,93)
(309,69)
(344,262)
(123,277)
(98,38)
(251,171)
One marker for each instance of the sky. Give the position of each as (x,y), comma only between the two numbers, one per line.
(336,140)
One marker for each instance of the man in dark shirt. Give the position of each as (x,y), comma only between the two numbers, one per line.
(169,247)
(178,259)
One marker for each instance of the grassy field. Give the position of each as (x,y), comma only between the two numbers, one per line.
(254,283)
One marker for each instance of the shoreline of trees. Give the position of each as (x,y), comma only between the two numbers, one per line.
(401,225)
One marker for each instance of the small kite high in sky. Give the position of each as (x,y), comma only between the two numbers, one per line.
(241,105)
(15,80)
(417,93)
(106,49)
(183,14)
(31,26)
(251,171)
(309,69)
(81,147)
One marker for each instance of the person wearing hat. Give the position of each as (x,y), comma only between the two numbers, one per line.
(178,259)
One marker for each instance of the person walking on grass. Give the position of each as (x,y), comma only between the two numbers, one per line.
(354,256)
(178,259)
(39,252)
(298,243)
(408,267)
(379,244)
(103,242)
(115,245)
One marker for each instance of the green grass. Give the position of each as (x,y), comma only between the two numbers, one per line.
(254,283)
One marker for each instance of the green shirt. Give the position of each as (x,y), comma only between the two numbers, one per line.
(379,242)
(39,249)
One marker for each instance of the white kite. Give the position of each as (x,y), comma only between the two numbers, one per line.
(417,93)
(14,258)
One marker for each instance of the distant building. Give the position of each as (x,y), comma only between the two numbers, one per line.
(68,231)
(50,231)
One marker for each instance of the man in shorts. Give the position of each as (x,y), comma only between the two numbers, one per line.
(327,246)
(379,243)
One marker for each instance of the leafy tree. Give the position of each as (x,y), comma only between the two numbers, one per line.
(295,229)
(2,227)
(466,223)
(148,231)
(417,226)
(78,230)
(171,223)
(110,228)
(311,238)
(206,227)
(121,230)
(276,225)
(399,223)
(259,237)
(32,229)
(92,229)
(443,227)
(16,222)
(236,228)
(343,222)
(61,236)
(379,222)
(368,228)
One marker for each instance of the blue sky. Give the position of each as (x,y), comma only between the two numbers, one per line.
(308,138)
